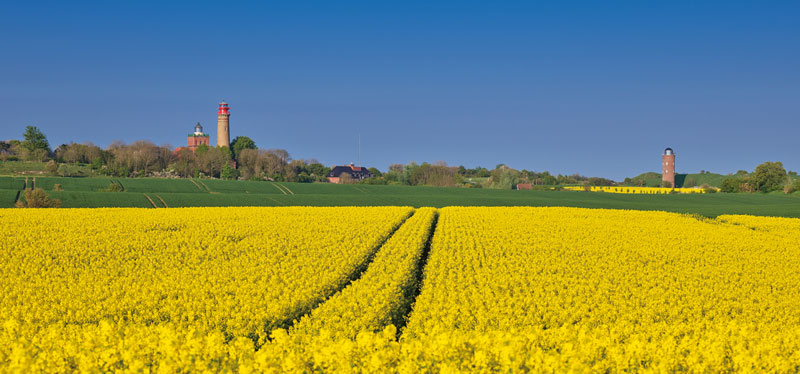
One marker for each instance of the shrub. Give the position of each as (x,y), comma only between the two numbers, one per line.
(346,178)
(791,187)
(708,189)
(304,178)
(66,170)
(112,187)
(374,181)
(51,167)
(229,172)
(57,187)
(731,185)
(97,163)
(37,198)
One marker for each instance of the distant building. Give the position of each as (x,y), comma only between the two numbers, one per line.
(223,125)
(524,186)
(195,139)
(668,167)
(356,173)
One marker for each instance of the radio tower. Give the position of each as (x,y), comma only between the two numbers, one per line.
(223,125)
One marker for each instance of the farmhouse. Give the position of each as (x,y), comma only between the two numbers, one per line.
(353,172)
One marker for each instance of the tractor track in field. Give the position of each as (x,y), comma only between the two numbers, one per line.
(153,203)
(196,185)
(412,292)
(161,200)
(278,187)
(354,276)
(205,186)
(286,188)
(419,278)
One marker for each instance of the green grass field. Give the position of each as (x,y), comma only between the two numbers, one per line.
(14,167)
(88,192)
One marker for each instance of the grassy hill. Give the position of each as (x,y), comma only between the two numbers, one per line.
(150,192)
(653,179)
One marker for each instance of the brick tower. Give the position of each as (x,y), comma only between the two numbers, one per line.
(223,125)
(197,137)
(668,167)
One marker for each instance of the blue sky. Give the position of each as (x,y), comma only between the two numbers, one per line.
(597,88)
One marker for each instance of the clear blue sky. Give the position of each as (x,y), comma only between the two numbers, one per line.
(565,86)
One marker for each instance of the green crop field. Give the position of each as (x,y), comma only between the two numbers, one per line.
(10,183)
(147,192)
(159,185)
(71,184)
(13,167)
(7,197)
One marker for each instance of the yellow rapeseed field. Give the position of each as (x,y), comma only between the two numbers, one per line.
(636,190)
(68,275)
(571,288)
(502,290)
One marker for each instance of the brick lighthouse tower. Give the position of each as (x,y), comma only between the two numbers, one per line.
(668,168)
(223,125)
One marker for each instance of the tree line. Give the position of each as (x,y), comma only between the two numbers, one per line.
(244,160)
(439,174)
(767,177)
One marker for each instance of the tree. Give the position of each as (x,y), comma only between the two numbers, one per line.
(225,150)
(375,172)
(317,170)
(240,143)
(97,163)
(503,177)
(78,153)
(229,172)
(666,184)
(38,198)
(731,185)
(35,144)
(768,177)
(139,158)
(262,164)
(185,166)
(212,161)
(598,181)
(201,149)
